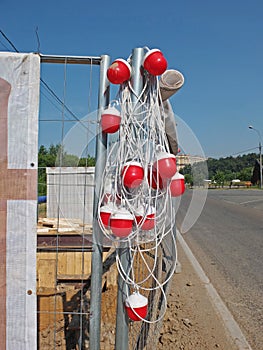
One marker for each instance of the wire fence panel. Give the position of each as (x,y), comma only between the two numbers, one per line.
(67,136)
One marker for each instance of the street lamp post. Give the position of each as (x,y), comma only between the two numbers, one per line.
(260,153)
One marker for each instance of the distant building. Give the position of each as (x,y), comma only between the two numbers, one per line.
(70,192)
(185,159)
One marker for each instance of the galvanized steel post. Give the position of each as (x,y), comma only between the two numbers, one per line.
(96,262)
(121,338)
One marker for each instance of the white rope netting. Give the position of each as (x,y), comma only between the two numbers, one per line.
(135,204)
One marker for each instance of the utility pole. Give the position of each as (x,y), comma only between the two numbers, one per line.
(260,153)
(260,164)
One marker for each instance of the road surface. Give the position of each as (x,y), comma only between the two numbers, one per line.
(227,240)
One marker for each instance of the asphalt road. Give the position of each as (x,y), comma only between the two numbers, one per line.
(227,240)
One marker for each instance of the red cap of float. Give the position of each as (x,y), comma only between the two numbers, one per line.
(177,185)
(136,306)
(154,62)
(121,222)
(110,120)
(132,174)
(119,71)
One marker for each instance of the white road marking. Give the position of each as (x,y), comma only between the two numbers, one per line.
(255,200)
(231,325)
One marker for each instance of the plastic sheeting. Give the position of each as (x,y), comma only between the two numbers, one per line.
(19,101)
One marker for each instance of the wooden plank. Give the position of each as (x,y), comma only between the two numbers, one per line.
(74,277)
(50,311)
(47,291)
(46,272)
(62,263)
(70,266)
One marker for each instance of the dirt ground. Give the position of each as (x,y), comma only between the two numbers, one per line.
(191,322)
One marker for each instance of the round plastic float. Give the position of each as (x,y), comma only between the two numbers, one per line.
(177,185)
(132,174)
(105,213)
(121,222)
(136,306)
(165,165)
(154,62)
(119,71)
(145,220)
(110,120)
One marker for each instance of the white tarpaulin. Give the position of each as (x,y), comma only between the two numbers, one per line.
(19,101)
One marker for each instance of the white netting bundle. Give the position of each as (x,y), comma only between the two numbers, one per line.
(135,202)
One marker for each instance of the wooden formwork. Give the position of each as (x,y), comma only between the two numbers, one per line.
(63,281)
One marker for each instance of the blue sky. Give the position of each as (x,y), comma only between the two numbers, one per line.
(217,45)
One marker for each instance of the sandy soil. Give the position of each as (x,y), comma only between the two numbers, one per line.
(191,321)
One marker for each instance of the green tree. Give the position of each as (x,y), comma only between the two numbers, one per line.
(245,174)
(219,178)
(188,178)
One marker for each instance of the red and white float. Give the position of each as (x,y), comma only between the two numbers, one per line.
(177,185)
(145,220)
(119,71)
(121,222)
(155,62)
(105,213)
(132,174)
(110,120)
(136,306)
(165,165)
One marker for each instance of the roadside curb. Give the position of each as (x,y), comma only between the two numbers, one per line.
(231,325)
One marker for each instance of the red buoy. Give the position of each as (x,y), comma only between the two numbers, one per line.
(146,220)
(105,213)
(119,71)
(121,222)
(132,174)
(110,120)
(177,185)
(154,62)
(165,165)
(136,306)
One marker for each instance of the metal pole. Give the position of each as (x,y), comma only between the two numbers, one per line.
(121,338)
(260,153)
(260,164)
(96,261)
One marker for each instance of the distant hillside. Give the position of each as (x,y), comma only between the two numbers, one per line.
(222,169)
